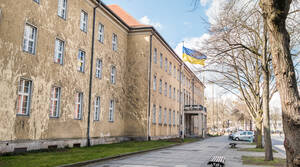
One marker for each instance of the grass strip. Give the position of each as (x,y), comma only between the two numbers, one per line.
(254,150)
(248,160)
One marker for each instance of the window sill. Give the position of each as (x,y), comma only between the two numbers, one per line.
(64,18)
(111,121)
(54,117)
(28,52)
(77,119)
(23,115)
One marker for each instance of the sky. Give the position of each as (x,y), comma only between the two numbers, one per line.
(177,21)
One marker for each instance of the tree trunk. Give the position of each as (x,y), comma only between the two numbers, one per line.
(275,13)
(258,133)
(266,100)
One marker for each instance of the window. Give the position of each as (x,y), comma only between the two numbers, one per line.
(174,71)
(159,115)
(160,86)
(178,95)
(98,68)
(154,83)
(97,109)
(170,91)
(29,39)
(178,76)
(55,102)
(155,56)
(59,51)
(81,60)
(111,110)
(62,8)
(170,68)
(161,60)
(174,93)
(24,97)
(78,105)
(166,88)
(170,117)
(174,117)
(101,33)
(113,75)
(37,1)
(83,21)
(165,116)
(154,114)
(166,65)
(115,42)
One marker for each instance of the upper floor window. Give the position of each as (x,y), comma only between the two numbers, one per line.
(81,61)
(37,1)
(174,117)
(160,86)
(55,102)
(113,75)
(161,60)
(29,39)
(24,97)
(166,65)
(62,8)
(178,76)
(170,116)
(154,83)
(174,93)
(114,42)
(170,68)
(111,110)
(174,71)
(83,21)
(97,109)
(165,116)
(101,33)
(78,105)
(59,51)
(98,68)
(170,91)
(155,55)
(154,114)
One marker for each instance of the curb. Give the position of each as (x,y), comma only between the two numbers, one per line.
(77,164)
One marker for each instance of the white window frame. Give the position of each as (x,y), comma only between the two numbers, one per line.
(97,106)
(29,38)
(170,91)
(21,97)
(154,82)
(59,51)
(55,102)
(81,60)
(166,64)
(111,111)
(114,42)
(166,89)
(160,86)
(78,105)
(161,60)
(113,75)
(83,21)
(170,68)
(99,68)
(165,116)
(159,115)
(170,117)
(101,33)
(155,56)
(154,114)
(62,8)
(174,93)
(174,71)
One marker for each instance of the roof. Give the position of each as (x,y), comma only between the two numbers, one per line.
(127,18)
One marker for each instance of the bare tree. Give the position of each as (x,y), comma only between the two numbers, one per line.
(275,13)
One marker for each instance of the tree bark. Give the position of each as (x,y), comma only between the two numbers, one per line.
(275,13)
(258,124)
(266,100)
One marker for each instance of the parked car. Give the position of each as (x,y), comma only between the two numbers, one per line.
(243,135)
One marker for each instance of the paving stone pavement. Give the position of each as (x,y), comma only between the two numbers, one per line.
(188,155)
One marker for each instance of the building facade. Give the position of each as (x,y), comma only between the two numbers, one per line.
(76,73)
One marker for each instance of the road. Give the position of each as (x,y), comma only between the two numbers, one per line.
(277,142)
(187,155)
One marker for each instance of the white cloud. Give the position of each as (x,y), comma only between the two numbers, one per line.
(146,20)
(214,9)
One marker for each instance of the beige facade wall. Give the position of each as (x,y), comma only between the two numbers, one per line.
(130,92)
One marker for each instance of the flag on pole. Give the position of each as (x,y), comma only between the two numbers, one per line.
(193,56)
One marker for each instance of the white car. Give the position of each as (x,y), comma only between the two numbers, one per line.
(243,135)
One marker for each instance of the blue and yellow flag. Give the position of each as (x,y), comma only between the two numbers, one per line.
(193,56)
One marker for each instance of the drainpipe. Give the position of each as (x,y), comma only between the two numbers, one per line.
(149,91)
(91,76)
(181,107)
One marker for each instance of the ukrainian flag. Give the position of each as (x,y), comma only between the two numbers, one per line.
(193,56)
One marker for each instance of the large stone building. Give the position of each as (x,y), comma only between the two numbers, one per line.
(78,72)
